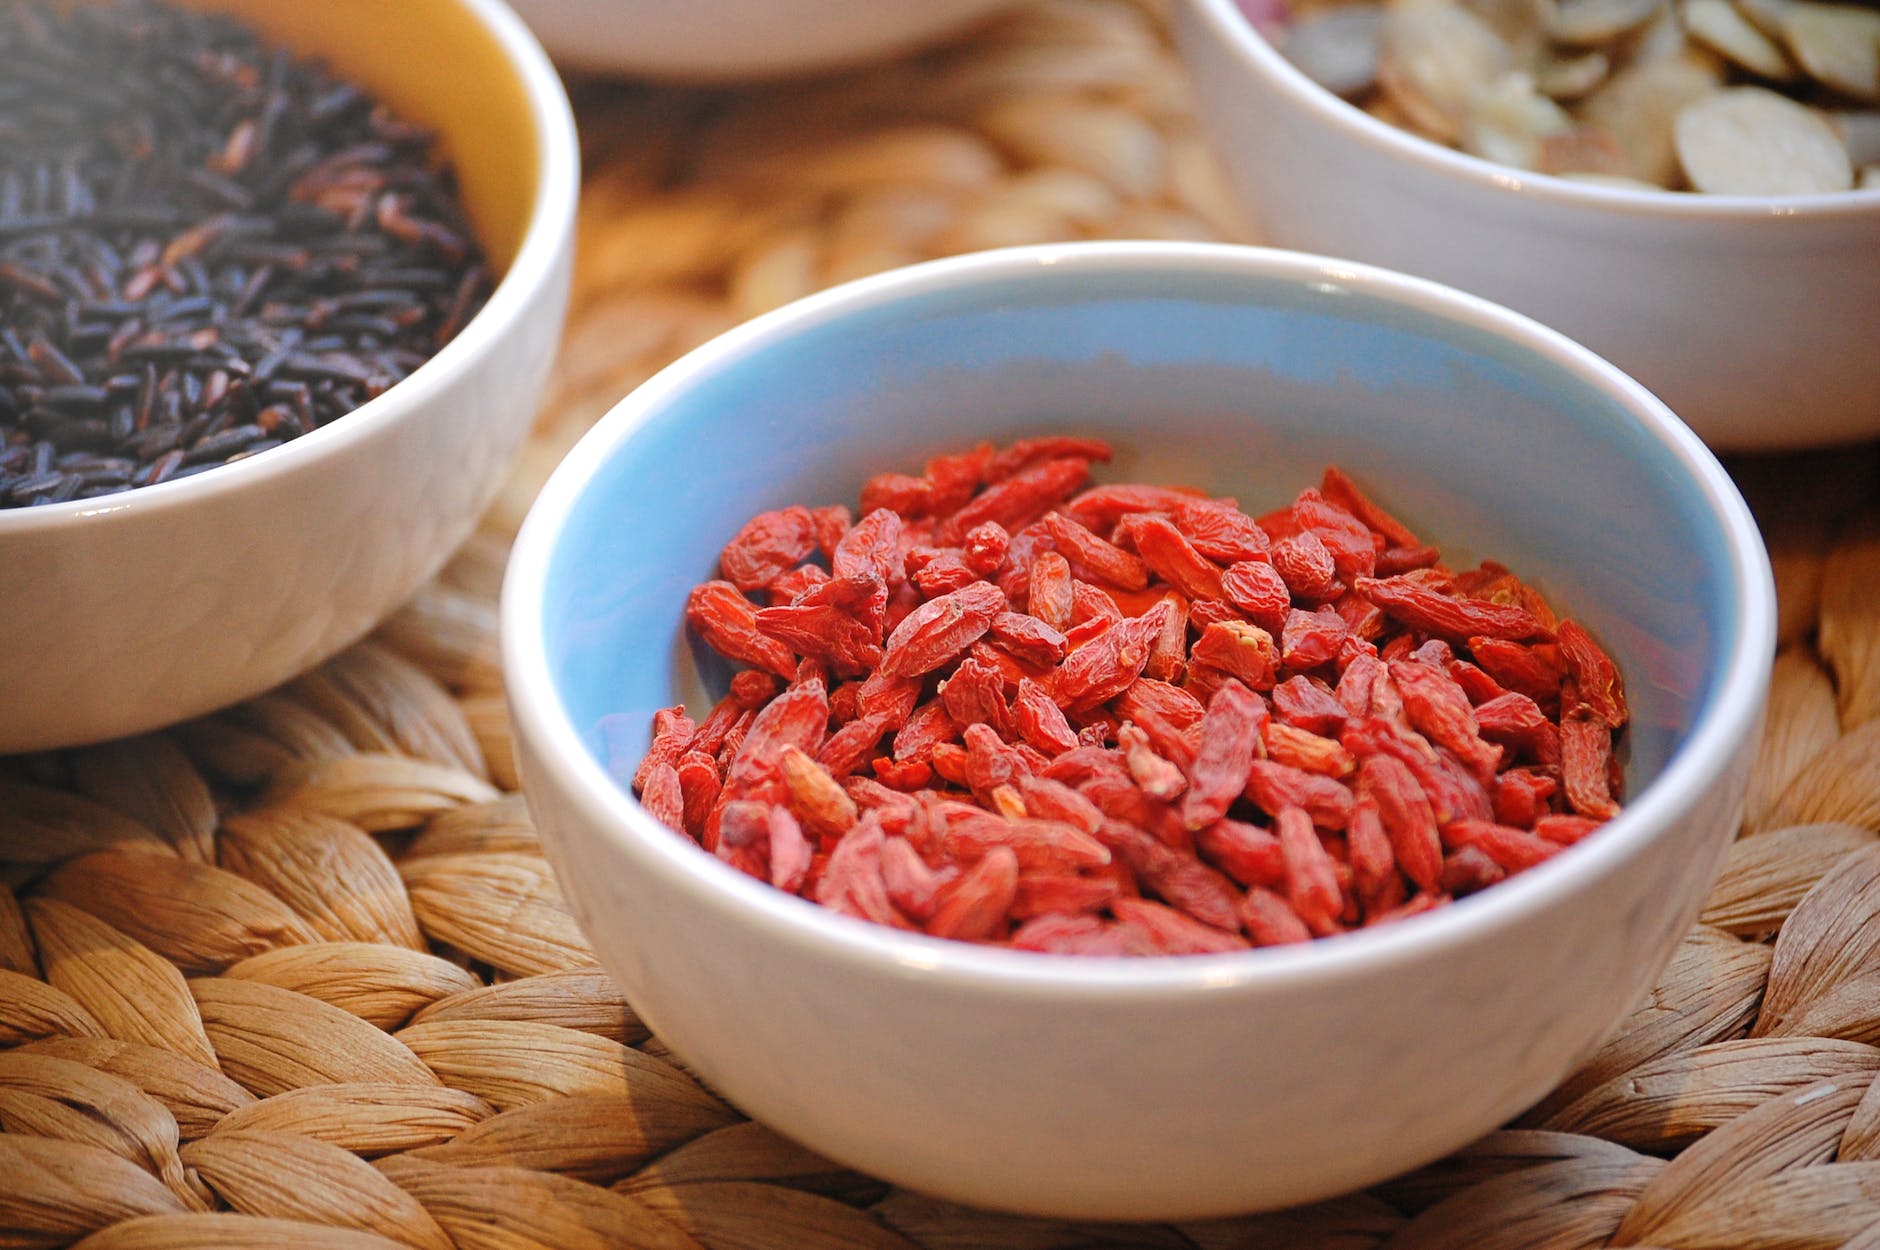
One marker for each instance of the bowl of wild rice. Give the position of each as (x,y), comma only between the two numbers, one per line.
(1136,730)
(279,288)
(1691,189)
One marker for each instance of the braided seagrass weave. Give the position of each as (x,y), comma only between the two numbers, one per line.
(298,974)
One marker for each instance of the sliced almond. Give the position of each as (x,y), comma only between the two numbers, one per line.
(1590,23)
(1570,77)
(1433,61)
(1721,26)
(1839,44)
(1639,106)
(1751,141)
(1337,48)
(1508,120)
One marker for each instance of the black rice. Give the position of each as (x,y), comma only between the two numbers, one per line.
(207,247)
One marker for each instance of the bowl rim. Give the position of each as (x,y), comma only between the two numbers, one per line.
(563,762)
(550,224)
(1238,34)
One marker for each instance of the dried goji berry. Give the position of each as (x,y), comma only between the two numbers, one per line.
(1256,589)
(770,544)
(1433,612)
(1093,558)
(940,629)
(1019,499)
(1167,551)
(727,621)
(1230,734)
(1219,530)
(1593,674)
(1025,452)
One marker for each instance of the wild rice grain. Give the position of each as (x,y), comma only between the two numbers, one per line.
(207,248)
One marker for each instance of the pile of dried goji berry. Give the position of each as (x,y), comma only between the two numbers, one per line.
(1006,706)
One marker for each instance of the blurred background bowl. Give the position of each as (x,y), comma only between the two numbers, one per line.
(1146,1088)
(1752,317)
(732,39)
(140,609)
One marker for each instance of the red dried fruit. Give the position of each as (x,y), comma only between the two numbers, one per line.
(1101,507)
(1092,604)
(872,547)
(1159,778)
(1439,710)
(727,621)
(798,717)
(1027,639)
(1433,612)
(1311,639)
(942,574)
(793,585)
(1408,818)
(1093,558)
(1270,920)
(1152,929)
(1050,597)
(1336,486)
(1285,744)
(1025,452)
(1373,861)
(663,797)
(838,621)
(1275,786)
(906,496)
(1168,653)
(1311,881)
(974,907)
(1512,850)
(1167,551)
(1219,530)
(1593,674)
(1585,753)
(830,524)
(1469,870)
(817,800)
(976,692)
(1565,830)
(1241,650)
(1044,894)
(673,732)
(851,881)
(1247,853)
(956,477)
(1040,721)
(1521,797)
(1523,669)
(913,887)
(1305,564)
(929,726)
(1102,668)
(1353,549)
(1230,735)
(1020,499)
(984,547)
(1255,588)
(940,629)
(1306,704)
(790,851)
(769,545)
(1070,935)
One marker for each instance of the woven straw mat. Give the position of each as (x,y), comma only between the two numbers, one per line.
(343,1004)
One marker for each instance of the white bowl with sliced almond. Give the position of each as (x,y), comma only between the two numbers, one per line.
(1690,187)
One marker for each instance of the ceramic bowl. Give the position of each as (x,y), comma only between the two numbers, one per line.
(731,39)
(136,610)
(1751,316)
(1143,1088)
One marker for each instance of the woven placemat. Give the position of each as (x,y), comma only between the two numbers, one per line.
(298,973)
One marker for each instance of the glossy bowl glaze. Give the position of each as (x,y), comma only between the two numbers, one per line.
(733,39)
(137,610)
(1143,1088)
(1752,317)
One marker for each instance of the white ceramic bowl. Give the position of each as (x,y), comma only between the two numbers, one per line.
(136,610)
(729,39)
(1146,1088)
(1753,317)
